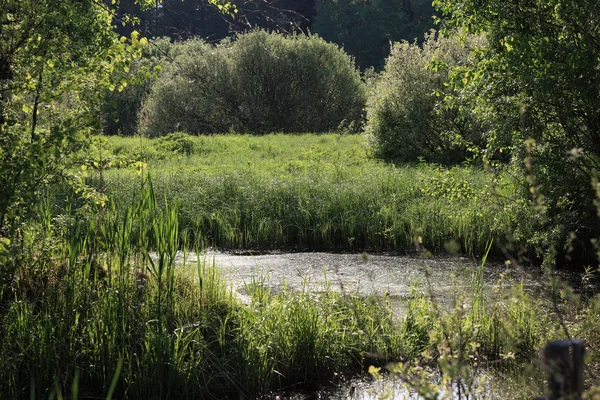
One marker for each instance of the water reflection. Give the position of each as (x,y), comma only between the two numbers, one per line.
(390,388)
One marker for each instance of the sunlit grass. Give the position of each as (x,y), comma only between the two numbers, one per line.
(318,192)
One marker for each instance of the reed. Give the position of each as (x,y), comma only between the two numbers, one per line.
(321,192)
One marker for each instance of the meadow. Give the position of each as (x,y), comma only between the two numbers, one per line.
(315,192)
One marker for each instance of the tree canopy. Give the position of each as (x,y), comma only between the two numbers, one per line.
(57,59)
(539,79)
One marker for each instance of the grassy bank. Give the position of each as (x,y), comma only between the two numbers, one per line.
(96,307)
(93,305)
(314,192)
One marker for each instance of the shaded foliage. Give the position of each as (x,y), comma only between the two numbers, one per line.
(540,74)
(365,28)
(183,20)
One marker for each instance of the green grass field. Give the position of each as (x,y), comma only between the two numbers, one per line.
(315,192)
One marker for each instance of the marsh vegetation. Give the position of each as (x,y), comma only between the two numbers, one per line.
(123,158)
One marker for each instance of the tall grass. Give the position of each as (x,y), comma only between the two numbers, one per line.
(107,308)
(319,192)
(95,305)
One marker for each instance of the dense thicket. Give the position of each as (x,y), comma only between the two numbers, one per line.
(366,28)
(539,82)
(407,117)
(259,83)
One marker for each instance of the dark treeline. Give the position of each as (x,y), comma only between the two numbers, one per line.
(182,20)
(364,28)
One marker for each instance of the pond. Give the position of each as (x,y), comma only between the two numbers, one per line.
(360,274)
(366,275)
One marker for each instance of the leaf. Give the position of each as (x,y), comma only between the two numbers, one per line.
(375,372)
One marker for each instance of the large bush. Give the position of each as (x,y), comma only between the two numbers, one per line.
(406,117)
(259,83)
(121,105)
(187,97)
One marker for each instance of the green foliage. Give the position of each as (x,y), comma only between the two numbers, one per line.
(366,28)
(108,299)
(299,84)
(538,79)
(259,83)
(56,59)
(99,308)
(406,117)
(175,143)
(472,329)
(310,192)
(99,305)
(121,104)
(190,94)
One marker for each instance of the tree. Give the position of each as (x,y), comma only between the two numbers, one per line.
(365,28)
(57,58)
(260,83)
(406,117)
(121,106)
(541,73)
(179,21)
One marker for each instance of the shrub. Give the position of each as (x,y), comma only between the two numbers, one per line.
(262,82)
(295,84)
(121,106)
(175,143)
(406,118)
(187,96)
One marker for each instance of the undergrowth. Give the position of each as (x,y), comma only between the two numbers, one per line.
(98,307)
